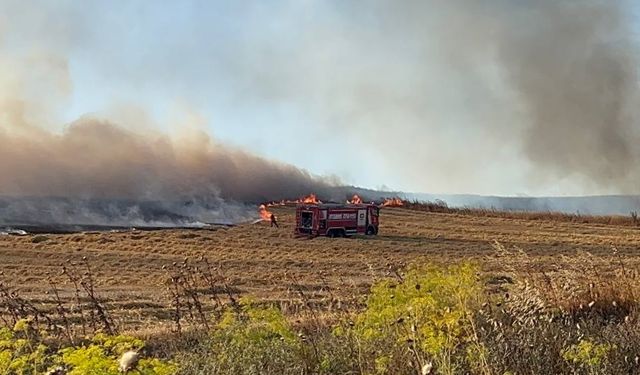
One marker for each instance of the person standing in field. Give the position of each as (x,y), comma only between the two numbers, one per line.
(274,221)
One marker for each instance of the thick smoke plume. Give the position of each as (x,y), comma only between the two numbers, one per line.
(472,96)
(97,159)
(574,67)
(97,172)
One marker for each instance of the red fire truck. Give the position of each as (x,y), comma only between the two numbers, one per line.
(336,220)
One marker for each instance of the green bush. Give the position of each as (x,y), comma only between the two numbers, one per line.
(425,317)
(100,357)
(248,339)
(588,355)
(22,352)
(424,320)
(21,355)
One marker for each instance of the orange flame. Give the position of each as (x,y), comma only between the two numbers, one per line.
(393,202)
(310,199)
(264,213)
(355,200)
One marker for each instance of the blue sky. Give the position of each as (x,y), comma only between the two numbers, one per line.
(408,101)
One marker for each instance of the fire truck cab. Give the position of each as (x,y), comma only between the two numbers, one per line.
(336,220)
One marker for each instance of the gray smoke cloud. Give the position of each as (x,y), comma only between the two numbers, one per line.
(465,95)
(95,171)
(574,66)
(93,158)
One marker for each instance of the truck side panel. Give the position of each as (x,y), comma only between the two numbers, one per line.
(323,220)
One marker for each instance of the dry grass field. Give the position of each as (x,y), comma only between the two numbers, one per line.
(271,264)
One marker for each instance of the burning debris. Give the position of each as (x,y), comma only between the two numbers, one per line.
(392,202)
(267,215)
(264,213)
(355,200)
(309,199)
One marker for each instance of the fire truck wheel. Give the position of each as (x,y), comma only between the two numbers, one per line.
(371,231)
(333,233)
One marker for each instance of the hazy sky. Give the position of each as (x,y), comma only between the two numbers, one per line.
(432,96)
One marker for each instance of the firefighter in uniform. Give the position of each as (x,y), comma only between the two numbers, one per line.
(274,221)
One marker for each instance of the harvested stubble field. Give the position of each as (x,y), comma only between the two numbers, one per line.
(271,264)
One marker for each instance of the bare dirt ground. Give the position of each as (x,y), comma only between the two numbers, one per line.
(271,264)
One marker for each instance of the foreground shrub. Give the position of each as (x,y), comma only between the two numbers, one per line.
(420,323)
(101,357)
(21,355)
(588,355)
(248,339)
(425,318)
(22,351)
